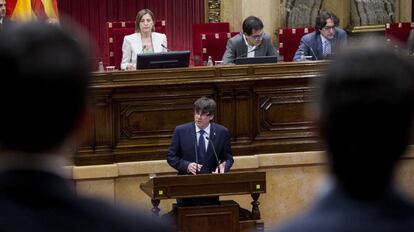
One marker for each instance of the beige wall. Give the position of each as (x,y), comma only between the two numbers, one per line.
(271,12)
(235,11)
(404,10)
(293,180)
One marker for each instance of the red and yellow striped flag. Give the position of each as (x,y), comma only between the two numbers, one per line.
(27,10)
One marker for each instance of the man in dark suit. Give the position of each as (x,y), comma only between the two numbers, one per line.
(252,42)
(4,22)
(43,96)
(2,13)
(365,117)
(214,155)
(324,41)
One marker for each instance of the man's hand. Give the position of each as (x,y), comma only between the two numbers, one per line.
(130,67)
(221,166)
(194,168)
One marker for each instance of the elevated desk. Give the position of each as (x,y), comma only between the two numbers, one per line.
(204,185)
(136,111)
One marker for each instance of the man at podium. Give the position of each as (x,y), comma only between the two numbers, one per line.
(201,146)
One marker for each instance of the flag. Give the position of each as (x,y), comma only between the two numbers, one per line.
(28,10)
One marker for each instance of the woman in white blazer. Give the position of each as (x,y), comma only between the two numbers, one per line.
(144,40)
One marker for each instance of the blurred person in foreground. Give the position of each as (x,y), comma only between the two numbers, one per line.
(45,75)
(5,23)
(252,42)
(144,40)
(326,40)
(365,115)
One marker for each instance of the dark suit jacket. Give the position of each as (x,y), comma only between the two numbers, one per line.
(40,201)
(236,47)
(313,40)
(184,145)
(340,212)
(7,24)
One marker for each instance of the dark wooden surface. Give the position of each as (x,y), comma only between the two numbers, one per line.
(136,112)
(221,217)
(203,185)
(224,216)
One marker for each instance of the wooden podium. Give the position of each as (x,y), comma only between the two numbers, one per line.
(205,185)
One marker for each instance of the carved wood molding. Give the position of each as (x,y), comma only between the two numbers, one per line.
(261,105)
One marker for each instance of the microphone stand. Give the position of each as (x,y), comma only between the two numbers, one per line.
(311,49)
(215,154)
(162,45)
(196,155)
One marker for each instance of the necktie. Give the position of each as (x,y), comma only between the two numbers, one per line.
(326,48)
(201,146)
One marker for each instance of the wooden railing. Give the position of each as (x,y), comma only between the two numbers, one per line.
(136,112)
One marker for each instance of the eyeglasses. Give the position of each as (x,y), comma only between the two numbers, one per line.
(257,37)
(327,28)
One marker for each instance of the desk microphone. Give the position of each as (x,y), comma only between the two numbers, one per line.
(143,48)
(215,154)
(311,49)
(162,45)
(196,155)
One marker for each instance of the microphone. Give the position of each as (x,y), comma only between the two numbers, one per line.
(162,45)
(215,154)
(195,149)
(311,49)
(143,48)
(246,53)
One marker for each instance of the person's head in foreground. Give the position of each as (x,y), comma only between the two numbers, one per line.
(365,112)
(43,94)
(45,75)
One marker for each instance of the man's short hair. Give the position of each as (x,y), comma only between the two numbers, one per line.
(250,23)
(205,105)
(366,111)
(320,21)
(43,93)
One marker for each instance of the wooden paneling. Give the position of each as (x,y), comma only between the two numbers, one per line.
(136,112)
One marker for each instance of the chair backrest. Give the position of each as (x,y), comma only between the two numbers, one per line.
(114,37)
(214,44)
(289,39)
(204,28)
(398,32)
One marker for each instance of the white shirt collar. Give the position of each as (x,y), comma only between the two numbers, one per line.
(324,39)
(207,129)
(249,47)
(1,20)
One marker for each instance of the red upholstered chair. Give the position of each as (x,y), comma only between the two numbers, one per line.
(214,44)
(204,28)
(398,32)
(289,39)
(114,37)
(160,26)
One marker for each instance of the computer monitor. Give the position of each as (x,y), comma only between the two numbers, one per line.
(256,60)
(174,59)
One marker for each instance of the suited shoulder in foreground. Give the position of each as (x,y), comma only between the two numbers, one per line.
(326,40)
(43,94)
(365,117)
